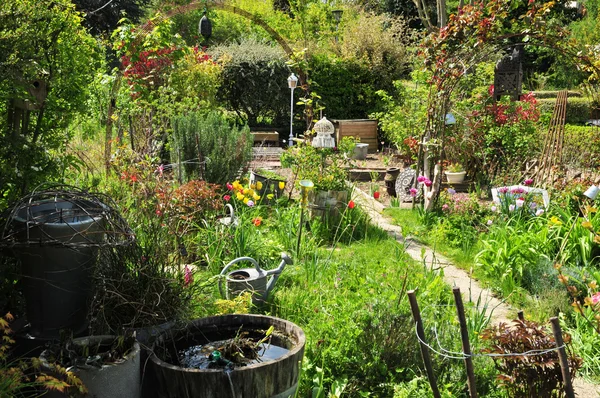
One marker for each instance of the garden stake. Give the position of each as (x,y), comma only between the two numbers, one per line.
(520,315)
(464,336)
(305,186)
(562,357)
(414,306)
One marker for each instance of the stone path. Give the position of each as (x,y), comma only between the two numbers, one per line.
(454,276)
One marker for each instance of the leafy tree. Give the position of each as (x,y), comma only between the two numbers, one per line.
(103,16)
(48,61)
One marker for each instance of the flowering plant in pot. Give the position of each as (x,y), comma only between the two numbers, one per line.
(455,173)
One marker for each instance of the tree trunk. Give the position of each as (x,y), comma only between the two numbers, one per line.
(424,15)
(442,13)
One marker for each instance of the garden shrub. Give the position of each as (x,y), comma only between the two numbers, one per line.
(224,148)
(254,82)
(552,94)
(581,148)
(579,110)
(528,376)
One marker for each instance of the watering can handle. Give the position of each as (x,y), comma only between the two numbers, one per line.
(237,260)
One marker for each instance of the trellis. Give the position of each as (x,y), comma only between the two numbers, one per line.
(470,37)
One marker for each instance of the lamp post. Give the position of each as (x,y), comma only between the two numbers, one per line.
(292,83)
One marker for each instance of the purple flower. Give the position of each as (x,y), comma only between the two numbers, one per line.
(421,178)
(511,208)
(451,191)
(528,182)
(533,205)
(250,203)
(413,192)
(503,190)
(489,222)
(517,191)
(539,212)
(494,208)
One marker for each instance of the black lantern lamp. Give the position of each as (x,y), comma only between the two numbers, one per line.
(205,26)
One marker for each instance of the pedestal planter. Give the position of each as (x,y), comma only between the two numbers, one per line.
(455,178)
(327,203)
(274,377)
(391,175)
(56,247)
(120,378)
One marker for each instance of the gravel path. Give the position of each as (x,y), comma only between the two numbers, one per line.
(454,276)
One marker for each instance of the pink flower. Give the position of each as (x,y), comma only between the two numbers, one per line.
(413,192)
(528,182)
(445,207)
(489,222)
(250,203)
(539,212)
(596,298)
(421,178)
(229,187)
(517,191)
(188,276)
(160,170)
(427,182)
(503,190)
(226,198)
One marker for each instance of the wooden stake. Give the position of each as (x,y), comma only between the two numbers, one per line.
(466,346)
(521,315)
(562,357)
(416,313)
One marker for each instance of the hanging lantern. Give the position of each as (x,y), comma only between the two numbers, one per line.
(205,27)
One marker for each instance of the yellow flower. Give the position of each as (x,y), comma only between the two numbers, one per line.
(245,191)
(586,225)
(256,197)
(281,184)
(554,220)
(252,186)
(270,196)
(259,185)
(237,186)
(246,201)
(239,196)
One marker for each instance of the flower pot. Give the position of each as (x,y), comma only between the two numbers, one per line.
(360,151)
(116,379)
(270,185)
(275,375)
(329,204)
(455,178)
(57,245)
(391,175)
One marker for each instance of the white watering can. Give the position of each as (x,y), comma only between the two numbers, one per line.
(255,280)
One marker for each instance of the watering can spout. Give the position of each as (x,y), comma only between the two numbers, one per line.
(285,259)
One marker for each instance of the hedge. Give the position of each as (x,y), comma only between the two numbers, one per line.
(579,110)
(581,147)
(553,94)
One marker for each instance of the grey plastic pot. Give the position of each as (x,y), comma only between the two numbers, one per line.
(119,379)
(57,247)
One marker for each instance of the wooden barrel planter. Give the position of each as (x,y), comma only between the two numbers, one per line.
(328,204)
(269,185)
(275,377)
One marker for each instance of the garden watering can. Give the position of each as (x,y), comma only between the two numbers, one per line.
(255,280)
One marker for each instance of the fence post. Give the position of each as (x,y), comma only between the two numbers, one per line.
(416,313)
(562,357)
(466,346)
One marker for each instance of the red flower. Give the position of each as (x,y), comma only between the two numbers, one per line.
(376,195)
(133,178)
(226,197)
(256,221)
(351,204)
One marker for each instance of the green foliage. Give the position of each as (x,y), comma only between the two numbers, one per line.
(48,46)
(404,115)
(581,147)
(208,145)
(553,94)
(579,110)
(325,167)
(254,82)
(528,375)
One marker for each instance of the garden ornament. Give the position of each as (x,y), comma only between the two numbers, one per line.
(229,220)
(255,280)
(324,129)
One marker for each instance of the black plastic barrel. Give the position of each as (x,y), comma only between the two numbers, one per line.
(57,244)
